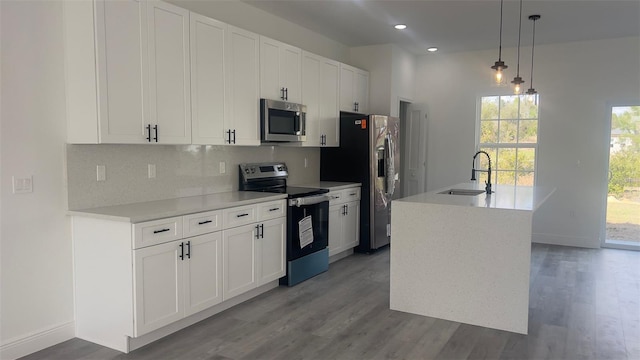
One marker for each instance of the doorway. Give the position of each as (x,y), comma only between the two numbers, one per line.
(622,219)
(413,145)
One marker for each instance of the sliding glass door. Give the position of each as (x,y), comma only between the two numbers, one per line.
(622,225)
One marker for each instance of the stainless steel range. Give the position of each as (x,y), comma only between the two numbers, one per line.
(307,219)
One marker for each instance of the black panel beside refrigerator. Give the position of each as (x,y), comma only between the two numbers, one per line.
(369,154)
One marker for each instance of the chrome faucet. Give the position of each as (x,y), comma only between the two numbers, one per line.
(487,188)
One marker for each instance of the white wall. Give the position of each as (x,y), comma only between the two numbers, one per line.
(36,278)
(391,76)
(576,82)
(377,60)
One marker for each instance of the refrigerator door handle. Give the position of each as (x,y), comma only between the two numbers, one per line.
(389,171)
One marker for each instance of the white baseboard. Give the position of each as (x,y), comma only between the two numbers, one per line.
(36,341)
(563,240)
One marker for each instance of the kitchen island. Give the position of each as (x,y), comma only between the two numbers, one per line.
(465,258)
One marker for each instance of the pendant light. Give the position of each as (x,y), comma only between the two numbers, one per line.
(517,81)
(499,65)
(534,18)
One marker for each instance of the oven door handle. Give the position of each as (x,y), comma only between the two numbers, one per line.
(308,200)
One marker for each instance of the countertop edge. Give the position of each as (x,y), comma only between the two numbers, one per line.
(110,212)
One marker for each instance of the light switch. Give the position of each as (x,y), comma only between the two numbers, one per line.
(223,167)
(151,170)
(22,185)
(101,173)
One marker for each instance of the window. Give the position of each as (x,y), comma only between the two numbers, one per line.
(508,131)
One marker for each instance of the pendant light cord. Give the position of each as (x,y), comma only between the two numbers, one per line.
(500,45)
(533,44)
(519,32)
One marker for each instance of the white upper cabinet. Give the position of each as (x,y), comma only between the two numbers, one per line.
(354,89)
(320,86)
(207,80)
(280,69)
(169,73)
(242,91)
(129,83)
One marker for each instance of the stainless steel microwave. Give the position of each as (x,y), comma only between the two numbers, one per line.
(282,121)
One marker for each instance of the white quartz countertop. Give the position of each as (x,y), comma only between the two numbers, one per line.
(152,210)
(503,197)
(331,185)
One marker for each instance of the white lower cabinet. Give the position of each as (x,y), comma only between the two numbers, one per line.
(253,256)
(134,279)
(239,261)
(203,273)
(270,250)
(159,294)
(176,279)
(344,220)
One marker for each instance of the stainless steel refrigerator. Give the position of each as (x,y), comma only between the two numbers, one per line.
(369,153)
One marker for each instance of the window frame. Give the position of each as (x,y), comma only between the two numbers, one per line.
(517,145)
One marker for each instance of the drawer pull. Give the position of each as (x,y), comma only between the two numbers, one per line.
(241,215)
(204,222)
(274,209)
(352,194)
(160,231)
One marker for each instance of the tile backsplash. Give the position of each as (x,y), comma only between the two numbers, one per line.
(181,170)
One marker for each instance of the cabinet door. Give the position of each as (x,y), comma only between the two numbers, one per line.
(203,272)
(238,260)
(347,86)
(270,248)
(328,102)
(351,225)
(270,85)
(361,93)
(158,286)
(311,78)
(335,229)
(122,75)
(290,67)
(207,80)
(169,73)
(242,91)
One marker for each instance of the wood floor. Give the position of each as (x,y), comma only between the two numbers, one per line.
(585,304)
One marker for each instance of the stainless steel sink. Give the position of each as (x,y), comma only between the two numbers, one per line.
(467,192)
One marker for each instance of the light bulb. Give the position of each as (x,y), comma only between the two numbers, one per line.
(498,76)
(516,89)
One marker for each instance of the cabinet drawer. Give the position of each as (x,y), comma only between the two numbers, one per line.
(335,197)
(238,216)
(351,194)
(272,210)
(345,195)
(157,232)
(202,223)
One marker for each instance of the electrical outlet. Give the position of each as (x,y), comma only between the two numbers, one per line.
(22,185)
(101,173)
(151,171)
(223,167)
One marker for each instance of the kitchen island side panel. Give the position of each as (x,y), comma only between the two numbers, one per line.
(464,264)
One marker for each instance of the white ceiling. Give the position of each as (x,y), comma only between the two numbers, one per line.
(458,25)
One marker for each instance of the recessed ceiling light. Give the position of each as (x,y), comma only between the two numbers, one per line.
(400,26)
(432,49)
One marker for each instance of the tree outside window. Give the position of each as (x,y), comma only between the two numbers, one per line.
(508,131)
